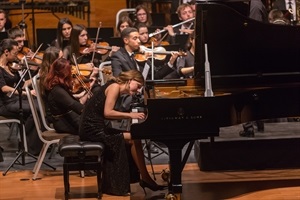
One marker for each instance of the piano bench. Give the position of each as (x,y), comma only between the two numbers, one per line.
(81,155)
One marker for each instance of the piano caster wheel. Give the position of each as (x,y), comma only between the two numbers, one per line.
(171,196)
(165,175)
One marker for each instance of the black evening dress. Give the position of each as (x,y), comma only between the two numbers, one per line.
(116,175)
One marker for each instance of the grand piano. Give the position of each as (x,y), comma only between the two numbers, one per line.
(245,70)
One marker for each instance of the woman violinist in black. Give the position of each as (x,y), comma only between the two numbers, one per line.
(65,108)
(10,103)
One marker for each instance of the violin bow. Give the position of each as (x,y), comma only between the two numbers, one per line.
(75,62)
(36,51)
(78,78)
(97,35)
(163,37)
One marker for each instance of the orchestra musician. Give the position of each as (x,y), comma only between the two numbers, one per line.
(123,23)
(185,64)
(143,15)
(10,106)
(162,68)
(185,12)
(82,48)
(116,177)
(17,34)
(64,28)
(64,107)
(123,59)
(2,20)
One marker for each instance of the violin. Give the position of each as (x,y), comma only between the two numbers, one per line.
(17,66)
(33,59)
(100,48)
(80,83)
(86,69)
(156,43)
(159,53)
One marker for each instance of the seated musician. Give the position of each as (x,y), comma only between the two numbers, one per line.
(17,34)
(116,177)
(2,20)
(123,59)
(185,12)
(83,49)
(162,66)
(185,64)
(10,106)
(64,28)
(65,109)
(123,23)
(143,15)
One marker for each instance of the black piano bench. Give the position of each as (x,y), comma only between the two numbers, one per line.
(81,155)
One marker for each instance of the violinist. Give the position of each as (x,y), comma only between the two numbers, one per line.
(78,39)
(161,67)
(10,106)
(17,34)
(64,28)
(65,109)
(50,55)
(123,59)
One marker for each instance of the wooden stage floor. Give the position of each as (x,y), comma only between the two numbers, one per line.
(279,184)
(243,185)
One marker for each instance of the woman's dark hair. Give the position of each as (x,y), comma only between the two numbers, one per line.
(123,20)
(74,41)
(50,55)
(7,44)
(59,74)
(59,35)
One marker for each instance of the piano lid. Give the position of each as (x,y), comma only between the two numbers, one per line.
(242,51)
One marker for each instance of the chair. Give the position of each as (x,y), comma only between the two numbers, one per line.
(103,68)
(13,121)
(48,137)
(42,109)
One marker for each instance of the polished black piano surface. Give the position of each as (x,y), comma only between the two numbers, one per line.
(255,74)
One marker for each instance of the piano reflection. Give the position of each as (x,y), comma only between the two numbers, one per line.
(254,74)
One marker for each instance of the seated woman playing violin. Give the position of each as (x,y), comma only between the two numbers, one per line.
(82,49)
(9,94)
(64,107)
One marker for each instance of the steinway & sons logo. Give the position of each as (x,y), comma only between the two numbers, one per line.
(181,116)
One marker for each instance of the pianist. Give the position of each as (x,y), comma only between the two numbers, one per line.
(116,177)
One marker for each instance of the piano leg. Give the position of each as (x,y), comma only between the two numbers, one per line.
(176,165)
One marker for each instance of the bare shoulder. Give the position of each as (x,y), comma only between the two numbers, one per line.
(113,88)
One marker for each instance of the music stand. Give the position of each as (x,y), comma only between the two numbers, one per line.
(22,150)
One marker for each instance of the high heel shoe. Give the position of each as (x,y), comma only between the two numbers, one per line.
(156,187)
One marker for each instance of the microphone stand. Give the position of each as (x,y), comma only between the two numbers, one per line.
(23,150)
(22,24)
